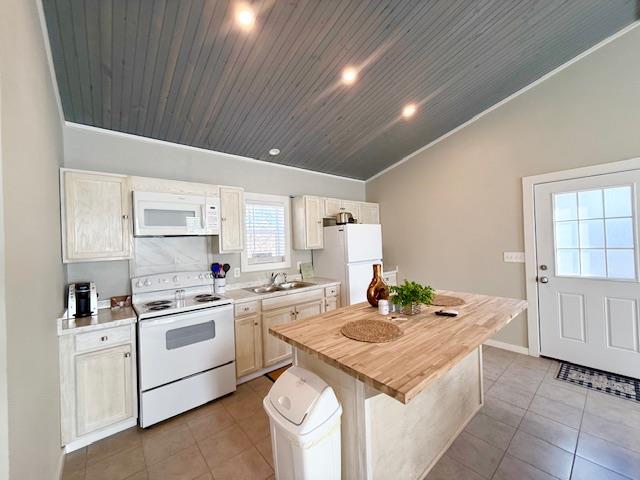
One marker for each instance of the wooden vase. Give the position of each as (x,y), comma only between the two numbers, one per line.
(378,290)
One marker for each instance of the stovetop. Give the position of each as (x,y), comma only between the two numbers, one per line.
(172,293)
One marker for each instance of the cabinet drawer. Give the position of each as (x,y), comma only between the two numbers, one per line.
(102,338)
(332,291)
(292,299)
(246,308)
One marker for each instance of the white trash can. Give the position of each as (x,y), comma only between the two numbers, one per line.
(304,416)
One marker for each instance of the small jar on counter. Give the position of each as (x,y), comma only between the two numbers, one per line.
(383,307)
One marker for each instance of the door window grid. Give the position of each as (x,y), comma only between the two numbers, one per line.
(594,233)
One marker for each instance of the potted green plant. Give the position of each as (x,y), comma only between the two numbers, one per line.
(411,296)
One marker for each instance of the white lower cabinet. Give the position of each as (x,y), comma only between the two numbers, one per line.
(248,344)
(97,384)
(276,350)
(103,388)
(330,304)
(309,310)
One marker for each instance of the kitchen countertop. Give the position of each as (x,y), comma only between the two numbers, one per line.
(431,344)
(106,318)
(240,295)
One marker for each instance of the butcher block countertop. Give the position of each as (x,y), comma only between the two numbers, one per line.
(402,368)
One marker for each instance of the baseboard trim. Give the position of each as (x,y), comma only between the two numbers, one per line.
(507,346)
(263,371)
(100,434)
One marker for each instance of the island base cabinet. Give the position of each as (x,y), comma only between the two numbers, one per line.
(248,345)
(276,350)
(384,438)
(103,388)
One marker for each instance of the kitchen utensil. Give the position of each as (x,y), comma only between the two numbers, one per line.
(226,267)
(215,268)
(343,218)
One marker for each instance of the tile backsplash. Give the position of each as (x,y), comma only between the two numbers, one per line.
(167,254)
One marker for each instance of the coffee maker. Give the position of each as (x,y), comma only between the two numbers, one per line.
(82,300)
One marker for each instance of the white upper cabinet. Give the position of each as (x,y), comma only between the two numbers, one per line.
(332,207)
(369,213)
(96,212)
(231,219)
(307,223)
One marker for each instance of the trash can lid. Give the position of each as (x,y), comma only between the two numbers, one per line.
(297,392)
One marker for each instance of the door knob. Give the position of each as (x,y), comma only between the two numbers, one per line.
(543,267)
(544,280)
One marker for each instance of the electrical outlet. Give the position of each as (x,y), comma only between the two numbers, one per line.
(298,264)
(236,272)
(514,257)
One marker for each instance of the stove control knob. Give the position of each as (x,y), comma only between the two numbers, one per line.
(175,279)
(165,280)
(139,284)
(147,283)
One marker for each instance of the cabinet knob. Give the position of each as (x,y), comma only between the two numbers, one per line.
(104,339)
(256,324)
(293,314)
(224,219)
(125,217)
(127,355)
(319,222)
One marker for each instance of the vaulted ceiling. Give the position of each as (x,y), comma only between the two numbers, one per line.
(182,71)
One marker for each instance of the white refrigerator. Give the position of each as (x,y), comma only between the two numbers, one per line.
(348,256)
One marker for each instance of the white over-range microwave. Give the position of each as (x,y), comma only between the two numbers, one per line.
(173,214)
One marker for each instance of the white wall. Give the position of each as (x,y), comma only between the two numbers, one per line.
(450,212)
(33,273)
(95,149)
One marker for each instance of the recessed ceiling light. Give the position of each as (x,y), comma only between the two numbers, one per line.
(409,110)
(349,75)
(245,17)
(274,151)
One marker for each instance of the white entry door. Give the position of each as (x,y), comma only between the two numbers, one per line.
(588,289)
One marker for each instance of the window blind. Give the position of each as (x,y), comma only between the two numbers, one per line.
(264,232)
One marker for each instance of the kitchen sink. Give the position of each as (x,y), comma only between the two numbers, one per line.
(282,287)
(293,285)
(263,289)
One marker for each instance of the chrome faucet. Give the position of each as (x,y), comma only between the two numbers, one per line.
(274,277)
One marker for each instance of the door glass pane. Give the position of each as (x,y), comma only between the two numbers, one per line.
(183,336)
(567,234)
(568,262)
(621,264)
(590,204)
(592,234)
(167,218)
(565,206)
(617,201)
(592,263)
(620,233)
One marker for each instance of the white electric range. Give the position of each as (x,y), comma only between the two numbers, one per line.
(186,343)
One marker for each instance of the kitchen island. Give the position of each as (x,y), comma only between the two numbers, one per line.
(403,401)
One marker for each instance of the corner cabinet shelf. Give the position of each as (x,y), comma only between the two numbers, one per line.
(96,216)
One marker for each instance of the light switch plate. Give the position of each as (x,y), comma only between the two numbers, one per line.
(514,257)
(236,272)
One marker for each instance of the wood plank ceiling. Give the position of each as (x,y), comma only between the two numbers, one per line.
(181,70)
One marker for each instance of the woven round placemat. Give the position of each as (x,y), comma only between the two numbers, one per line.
(373,331)
(446,301)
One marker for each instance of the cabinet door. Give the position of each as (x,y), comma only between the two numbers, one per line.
(96,216)
(352,207)
(330,304)
(231,219)
(275,350)
(308,310)
(332,207)
(248,345)
(369,213)
(103,388)
(313,226)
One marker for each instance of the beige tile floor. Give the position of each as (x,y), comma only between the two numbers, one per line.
(531,427)
(225,439)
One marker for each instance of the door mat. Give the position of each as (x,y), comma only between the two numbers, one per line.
(274,375)
(616,385)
